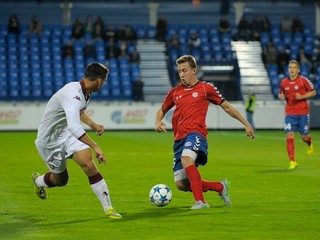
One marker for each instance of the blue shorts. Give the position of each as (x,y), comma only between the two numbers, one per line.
(301,123)
(194,142)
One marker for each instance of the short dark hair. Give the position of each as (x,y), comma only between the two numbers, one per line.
(96,70)
(187,58)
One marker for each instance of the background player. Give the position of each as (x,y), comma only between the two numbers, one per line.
(61,136)
(191,99)
(296,90)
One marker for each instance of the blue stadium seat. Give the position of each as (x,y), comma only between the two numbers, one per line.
(218,56)
(36,92)
(141,31)
(135,72)
(113,63)
(3,91)
(264,38)
(273,70)
(298,38)
(104,91)
(3,82)
(26,91)
(197,54)
(14,92)
(151,32)
(173,54)
(47,81)
(48,92)
(11,38)
(101,58)
(127,92)
(114,81)
(25,81)
(207,56)
(58,82)
(226,38)
(229,56)
(205,46)
(287,38)
(116,92)
(23,39)
(305,70)
(36,81)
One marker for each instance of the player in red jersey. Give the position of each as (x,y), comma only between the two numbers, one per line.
(296,90)
(191,99)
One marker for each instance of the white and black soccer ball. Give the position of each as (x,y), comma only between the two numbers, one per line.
(160,195)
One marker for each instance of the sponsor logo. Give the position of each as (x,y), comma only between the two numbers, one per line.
(135,116)
(131,116)
(116,117)
(105,194)
(10,116)
(77,98)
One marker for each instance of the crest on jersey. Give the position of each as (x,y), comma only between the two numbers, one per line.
(296,87)
(195,94)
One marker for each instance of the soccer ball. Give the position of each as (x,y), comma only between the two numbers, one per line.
(160,195)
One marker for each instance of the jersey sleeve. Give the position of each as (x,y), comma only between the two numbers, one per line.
(168,102)
(308,84)
(213,94)
(281,89)
(72,108)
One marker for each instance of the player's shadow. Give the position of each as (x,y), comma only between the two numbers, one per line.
(164,212)
(282,170)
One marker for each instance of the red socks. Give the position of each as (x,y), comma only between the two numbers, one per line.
(195,182)
(212,186)
(290,148)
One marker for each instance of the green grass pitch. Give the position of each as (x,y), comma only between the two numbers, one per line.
(268,201)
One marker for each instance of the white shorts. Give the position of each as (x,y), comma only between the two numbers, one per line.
(56,157)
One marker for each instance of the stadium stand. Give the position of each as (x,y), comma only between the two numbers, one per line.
(32,67)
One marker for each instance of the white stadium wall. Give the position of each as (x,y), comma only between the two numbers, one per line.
(125,116)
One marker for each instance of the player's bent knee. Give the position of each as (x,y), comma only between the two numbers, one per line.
(60,179)
(62,182)
(182,187)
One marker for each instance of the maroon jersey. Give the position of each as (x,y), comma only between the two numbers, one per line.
(289,87)
(191,107)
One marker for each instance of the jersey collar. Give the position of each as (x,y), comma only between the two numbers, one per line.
(86,95)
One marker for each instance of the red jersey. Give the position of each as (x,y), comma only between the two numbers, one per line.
(191,107)
(289,87)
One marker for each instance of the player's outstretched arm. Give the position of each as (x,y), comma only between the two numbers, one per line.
(230,110)
(159,125)
(97,151)
(94,126)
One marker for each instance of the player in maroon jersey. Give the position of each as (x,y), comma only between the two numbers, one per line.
(296,89)
(191,99)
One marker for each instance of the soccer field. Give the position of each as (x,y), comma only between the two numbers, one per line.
(268,201)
